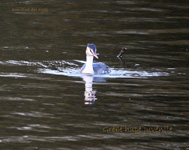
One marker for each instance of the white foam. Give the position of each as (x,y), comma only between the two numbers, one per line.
(115,73)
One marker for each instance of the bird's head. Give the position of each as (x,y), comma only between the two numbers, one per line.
(91,50)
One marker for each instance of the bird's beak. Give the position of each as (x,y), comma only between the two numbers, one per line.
(95,55)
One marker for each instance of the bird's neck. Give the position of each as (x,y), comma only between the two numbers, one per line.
(89,65)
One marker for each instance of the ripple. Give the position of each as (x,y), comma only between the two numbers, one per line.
(13,75)
(34,114)
(44,64)
(21,63)
(22,75)
(15,99)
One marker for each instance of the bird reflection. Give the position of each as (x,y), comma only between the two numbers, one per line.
(90,94)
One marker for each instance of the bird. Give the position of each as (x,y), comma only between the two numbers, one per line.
(93,68)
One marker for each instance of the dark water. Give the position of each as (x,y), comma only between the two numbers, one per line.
(46,104)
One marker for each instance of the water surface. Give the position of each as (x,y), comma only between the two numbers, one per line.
(47,104)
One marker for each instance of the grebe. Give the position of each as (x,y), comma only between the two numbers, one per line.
(93,68)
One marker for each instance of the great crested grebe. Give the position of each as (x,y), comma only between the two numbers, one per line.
(93,68)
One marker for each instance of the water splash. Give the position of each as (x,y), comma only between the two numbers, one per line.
(115,73)
(71,69)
